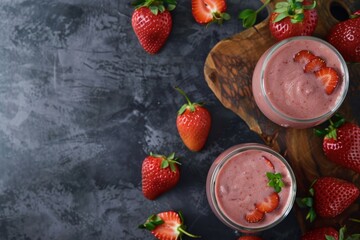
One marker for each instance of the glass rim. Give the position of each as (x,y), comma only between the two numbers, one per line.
(328,114)
(238,149)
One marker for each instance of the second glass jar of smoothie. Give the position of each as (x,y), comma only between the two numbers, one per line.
(291,97)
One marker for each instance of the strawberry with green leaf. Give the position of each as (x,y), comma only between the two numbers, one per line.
(193,123)
(167,226)
(159,174)
(341,143)
(152,23)
(290,18)
(329,197)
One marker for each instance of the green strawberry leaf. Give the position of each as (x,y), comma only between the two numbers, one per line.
(171,7)
(164,163)
(152,222)
(281,16)
(275,181)
(225,16)
(154,9)
(248,16)
(327,237)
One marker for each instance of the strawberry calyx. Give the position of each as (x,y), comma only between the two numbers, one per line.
(330,132)
(155,6)
(294,9)
(342,232)
(155,220)
(167,161)
(219,17)
(355,14)
(189,105)
(308,202)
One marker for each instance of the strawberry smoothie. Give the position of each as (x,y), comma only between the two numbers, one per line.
(292,97)
(237,186)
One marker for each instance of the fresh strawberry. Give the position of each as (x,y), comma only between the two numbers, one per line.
(208,11)
(345,36)
(193,123)
(269,204)
(314,65)
(254,216)
(329,78)
(249,238)
(303,57)
(152,23)
(329,197)
(341,143)
(166,226)
(159,174)
(321,233)
(293,18)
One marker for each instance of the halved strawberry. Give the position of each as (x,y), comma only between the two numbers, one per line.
(254,216)
(303,57)
(207,11)
(314,65)
(329,78)
(269,163)
(269,204)
(166,225)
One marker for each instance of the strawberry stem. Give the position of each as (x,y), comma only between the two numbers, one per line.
(180,229)
(188,105)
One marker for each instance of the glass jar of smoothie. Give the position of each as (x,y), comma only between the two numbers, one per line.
(237,188)
(293,95)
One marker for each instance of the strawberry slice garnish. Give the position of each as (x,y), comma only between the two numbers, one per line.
(314,65)
(166,225)
(207,11)
(329,78)
(254,216)
(269,163)
(303,57)
(269,204)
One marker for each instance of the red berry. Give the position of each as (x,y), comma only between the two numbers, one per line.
(321,233)
(152,30)
(269,204)
(304,57)
(342,145)
(254,216)
(329,78)
(207,11)
(159,175)
(314,65)
(332,196)
(249,238)
(193,123)
(166,226)
(345,37)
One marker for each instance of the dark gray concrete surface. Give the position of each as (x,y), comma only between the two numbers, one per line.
(82,104)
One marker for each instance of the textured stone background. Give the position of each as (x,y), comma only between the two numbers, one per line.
(81,105)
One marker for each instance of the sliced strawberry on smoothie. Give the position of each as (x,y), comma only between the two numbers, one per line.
(254,216)
(329,78)
(269,163)
(314,65)
(304,57)
(208,11)
(269,204)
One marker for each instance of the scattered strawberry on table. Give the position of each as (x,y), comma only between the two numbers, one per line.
(152,23)
(209,11)
(330,196)
(167,226)
(328,76)
(193,123)
(341,143)
(345,36)
(290,18)
(249,238)
(159,174)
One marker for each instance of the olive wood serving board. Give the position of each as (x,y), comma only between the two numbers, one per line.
(228,72)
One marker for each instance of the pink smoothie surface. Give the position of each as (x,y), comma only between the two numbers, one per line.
(296,93)
(242,182)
